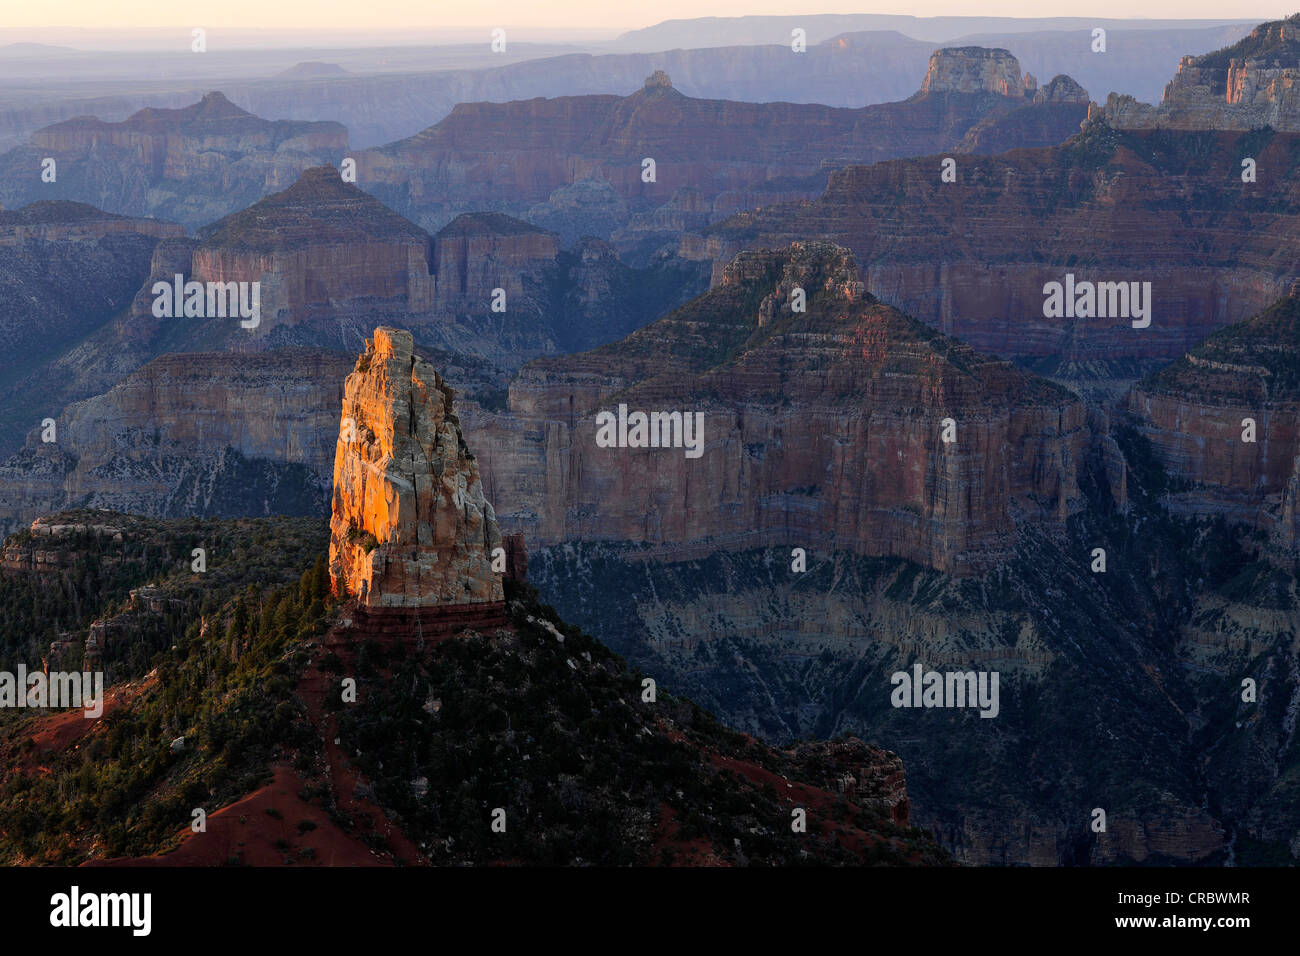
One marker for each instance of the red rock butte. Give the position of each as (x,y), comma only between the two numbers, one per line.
(412,535)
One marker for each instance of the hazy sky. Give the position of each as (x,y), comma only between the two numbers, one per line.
(579,14)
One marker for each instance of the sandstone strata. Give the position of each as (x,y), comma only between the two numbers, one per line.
(477,254)
(330,261)
(319,241)
(410,526)
(60,221)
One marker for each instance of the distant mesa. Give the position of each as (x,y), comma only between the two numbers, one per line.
(713,157)
(55,219)
(314,68)
(35,49)
(318,209)
(973,69)
(190,165)
(323,243)
(319,243)
(212,107)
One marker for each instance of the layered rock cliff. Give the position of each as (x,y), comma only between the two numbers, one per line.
(207,434)
(1224,420)
(1249,85)
(478,253)
(329,260)
(410,526)
(817,427)
(319,241)
(66,270)
(972,257)
(190,165)
(55,221)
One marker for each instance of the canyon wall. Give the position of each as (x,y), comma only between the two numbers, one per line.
(212,434)
(972,257)
(1224,422)
(817,428)
(478,253)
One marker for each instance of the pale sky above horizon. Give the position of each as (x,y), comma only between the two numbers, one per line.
(576,14)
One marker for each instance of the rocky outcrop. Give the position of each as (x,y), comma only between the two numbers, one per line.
(865,775)
(190,165)
(818,427)
(974,69)
(410,526)
(1254,83)
(567,699)
(1061,89)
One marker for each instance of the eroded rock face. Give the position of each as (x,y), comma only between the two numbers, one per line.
(823,427)
(55,221)
(1225,419)
(1061,89)
(1252,84)
(320,242)
(973,69)
(195,434)
(410,526)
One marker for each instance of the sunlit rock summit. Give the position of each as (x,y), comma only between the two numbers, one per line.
(410,526)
